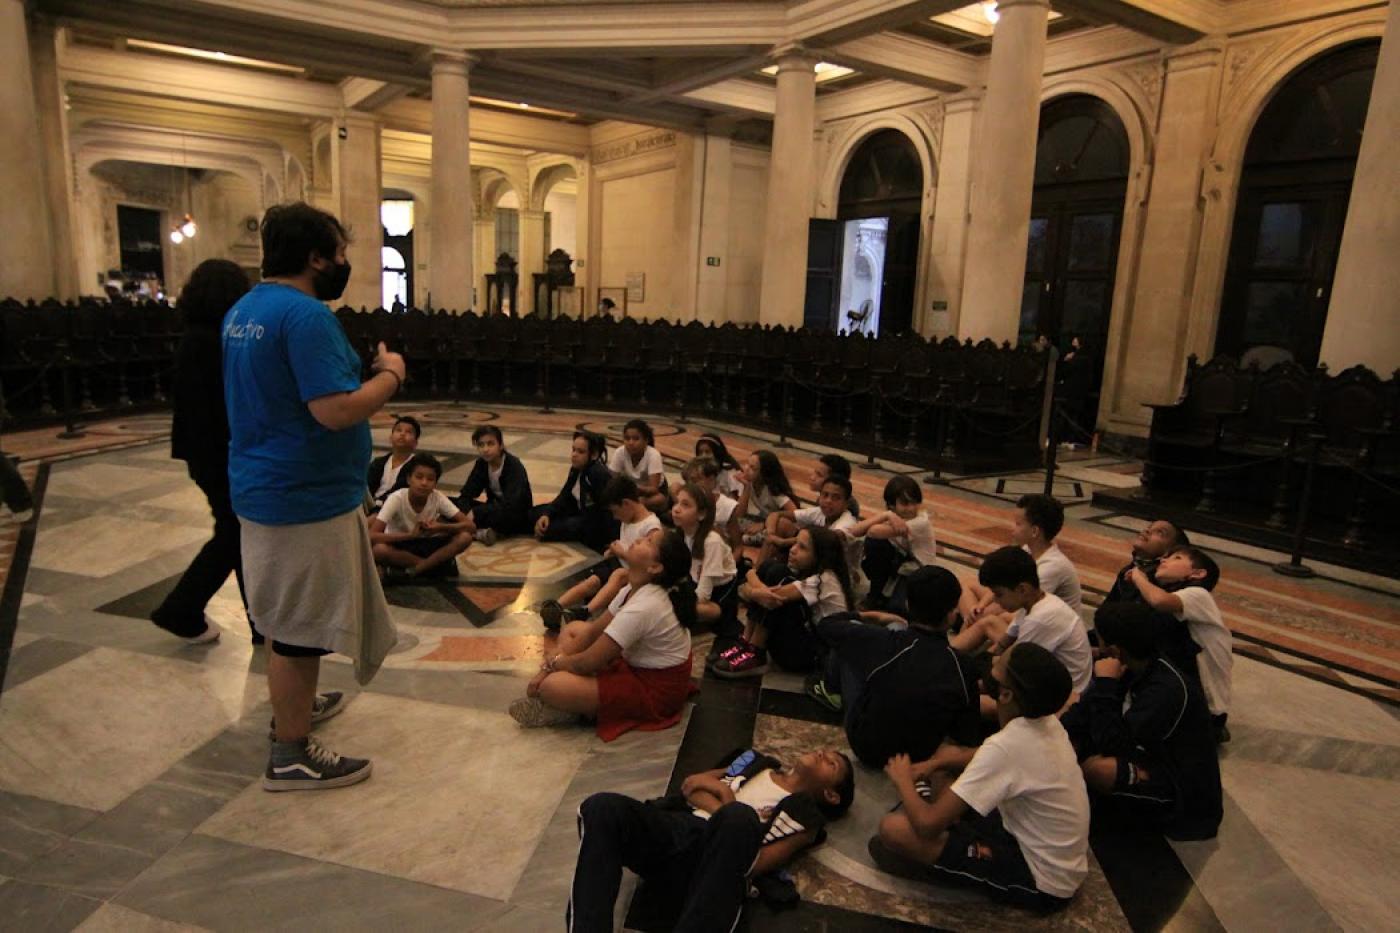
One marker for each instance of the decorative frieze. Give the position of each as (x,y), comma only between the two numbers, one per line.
(639,144)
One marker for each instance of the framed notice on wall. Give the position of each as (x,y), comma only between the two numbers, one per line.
(636,287)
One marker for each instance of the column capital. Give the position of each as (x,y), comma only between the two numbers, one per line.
(1205,54)
(794,57)
(451,61)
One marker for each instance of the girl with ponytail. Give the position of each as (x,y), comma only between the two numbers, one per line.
(712,567)
(630,668)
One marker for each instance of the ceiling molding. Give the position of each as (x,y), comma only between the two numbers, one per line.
(904,58)
(1097,47)
(877,95)
(1176,21)
(492,126)
(738,96)
(369,95)
(824,22)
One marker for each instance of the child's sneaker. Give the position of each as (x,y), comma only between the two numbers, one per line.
(749,662)
(326,705)
(308,765)
(486,536)
(723,654)
(755,539)
(533,713)
(552,613)
(815,687)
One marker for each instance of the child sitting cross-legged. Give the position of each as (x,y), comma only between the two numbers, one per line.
(712,567)
(901,689)
(595,591)
(766,490)
(639,459)
(498,475)
(1037,616)
(630,667)
(786,601)
(698,850)
(1143,730)
(1015,822)
(418,529)
(898,542)
(728,480)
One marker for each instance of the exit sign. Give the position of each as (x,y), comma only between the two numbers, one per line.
(711,260)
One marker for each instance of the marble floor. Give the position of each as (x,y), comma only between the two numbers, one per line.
(129,762)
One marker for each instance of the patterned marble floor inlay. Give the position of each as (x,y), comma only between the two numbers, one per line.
(129,762)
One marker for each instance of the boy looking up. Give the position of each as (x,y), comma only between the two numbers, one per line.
(1185,578)
(419,529)
(1149,547)
(386,473)
(1026,838)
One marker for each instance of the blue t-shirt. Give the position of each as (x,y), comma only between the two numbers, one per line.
(283,348)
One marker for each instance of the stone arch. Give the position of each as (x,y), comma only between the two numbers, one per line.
(545,178)
(1130,103)
(494,184)
(844,147)
(1258,80)
(296,180)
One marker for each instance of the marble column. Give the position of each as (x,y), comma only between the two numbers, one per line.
(1003,171)
(484,243)
(686,214)
(531,256)
(27,260)
(948,243)
(58,162)
(1363,314)
(1157,329)
(583,235)
(713,291)
(361,191)
(451,259)
(789,207)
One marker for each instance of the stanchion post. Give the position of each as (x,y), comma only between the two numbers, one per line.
(71,429)
(870,462)
(1294,566)
(1052,445)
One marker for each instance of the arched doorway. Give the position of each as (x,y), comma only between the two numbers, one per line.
(1081,178)
(873,244)
(1292,204)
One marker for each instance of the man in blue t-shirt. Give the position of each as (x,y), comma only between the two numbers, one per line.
(299,445)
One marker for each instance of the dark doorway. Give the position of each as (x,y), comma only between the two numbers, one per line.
(871,251)
(142,247)
(1292,204)
(398,217)
(1081,178)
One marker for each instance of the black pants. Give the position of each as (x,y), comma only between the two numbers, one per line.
(183,610)
(881,562)
(595,528)
(791,641)
(13,490)
(496,517)
(702,865)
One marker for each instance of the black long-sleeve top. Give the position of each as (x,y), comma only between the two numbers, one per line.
(515,497)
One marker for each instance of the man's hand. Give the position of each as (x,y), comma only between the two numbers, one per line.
(1109,667)
(899,769)
(386,361)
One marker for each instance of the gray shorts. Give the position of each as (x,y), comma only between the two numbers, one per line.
(315,585)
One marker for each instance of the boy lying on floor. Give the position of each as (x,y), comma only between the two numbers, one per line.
(704,844)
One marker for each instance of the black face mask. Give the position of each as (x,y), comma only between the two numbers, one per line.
(330,284)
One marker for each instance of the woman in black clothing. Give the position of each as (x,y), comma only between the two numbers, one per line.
(199,436)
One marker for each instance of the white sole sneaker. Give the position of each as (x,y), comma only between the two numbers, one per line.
(206,637)
(354,777)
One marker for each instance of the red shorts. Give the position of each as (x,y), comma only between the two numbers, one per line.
(648,699)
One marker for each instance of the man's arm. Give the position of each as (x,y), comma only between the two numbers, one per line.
(475,484)
(341,410)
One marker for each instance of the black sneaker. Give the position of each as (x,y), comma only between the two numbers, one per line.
(552,613)
(308,765)
(326,705)
(815,687)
